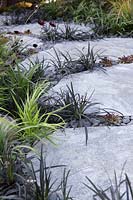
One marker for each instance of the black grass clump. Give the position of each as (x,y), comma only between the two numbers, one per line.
(70,33)
(14,173)
(63,64)
(47,188)
(120,189)
(89,61)
(65,191)
(50,33)
(73,33)
(72,107)
(55,34)
(75,104)
(26,182)
(38,68)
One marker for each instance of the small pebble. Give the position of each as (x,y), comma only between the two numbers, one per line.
(35,45)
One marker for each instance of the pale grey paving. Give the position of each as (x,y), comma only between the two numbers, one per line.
(107,150)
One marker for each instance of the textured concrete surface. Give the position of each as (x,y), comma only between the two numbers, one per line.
(107,150)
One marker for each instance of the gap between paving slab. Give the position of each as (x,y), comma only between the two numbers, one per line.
(112,47)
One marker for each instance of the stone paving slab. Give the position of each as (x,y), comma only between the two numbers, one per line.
(112,90)
(107,150)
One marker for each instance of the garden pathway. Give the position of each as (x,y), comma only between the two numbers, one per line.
(108,148)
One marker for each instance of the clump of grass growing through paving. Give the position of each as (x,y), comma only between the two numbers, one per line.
(74,107)
(118,190)
(67,32)
(47,188)
(64,64)
(89,60)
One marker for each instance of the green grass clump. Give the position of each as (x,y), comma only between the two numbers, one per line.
(34,125)
(16,81)
(109,17)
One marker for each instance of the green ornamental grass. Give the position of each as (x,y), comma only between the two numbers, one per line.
(35,126)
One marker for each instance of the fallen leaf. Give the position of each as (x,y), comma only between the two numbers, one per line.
(27,31)
(24,4)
